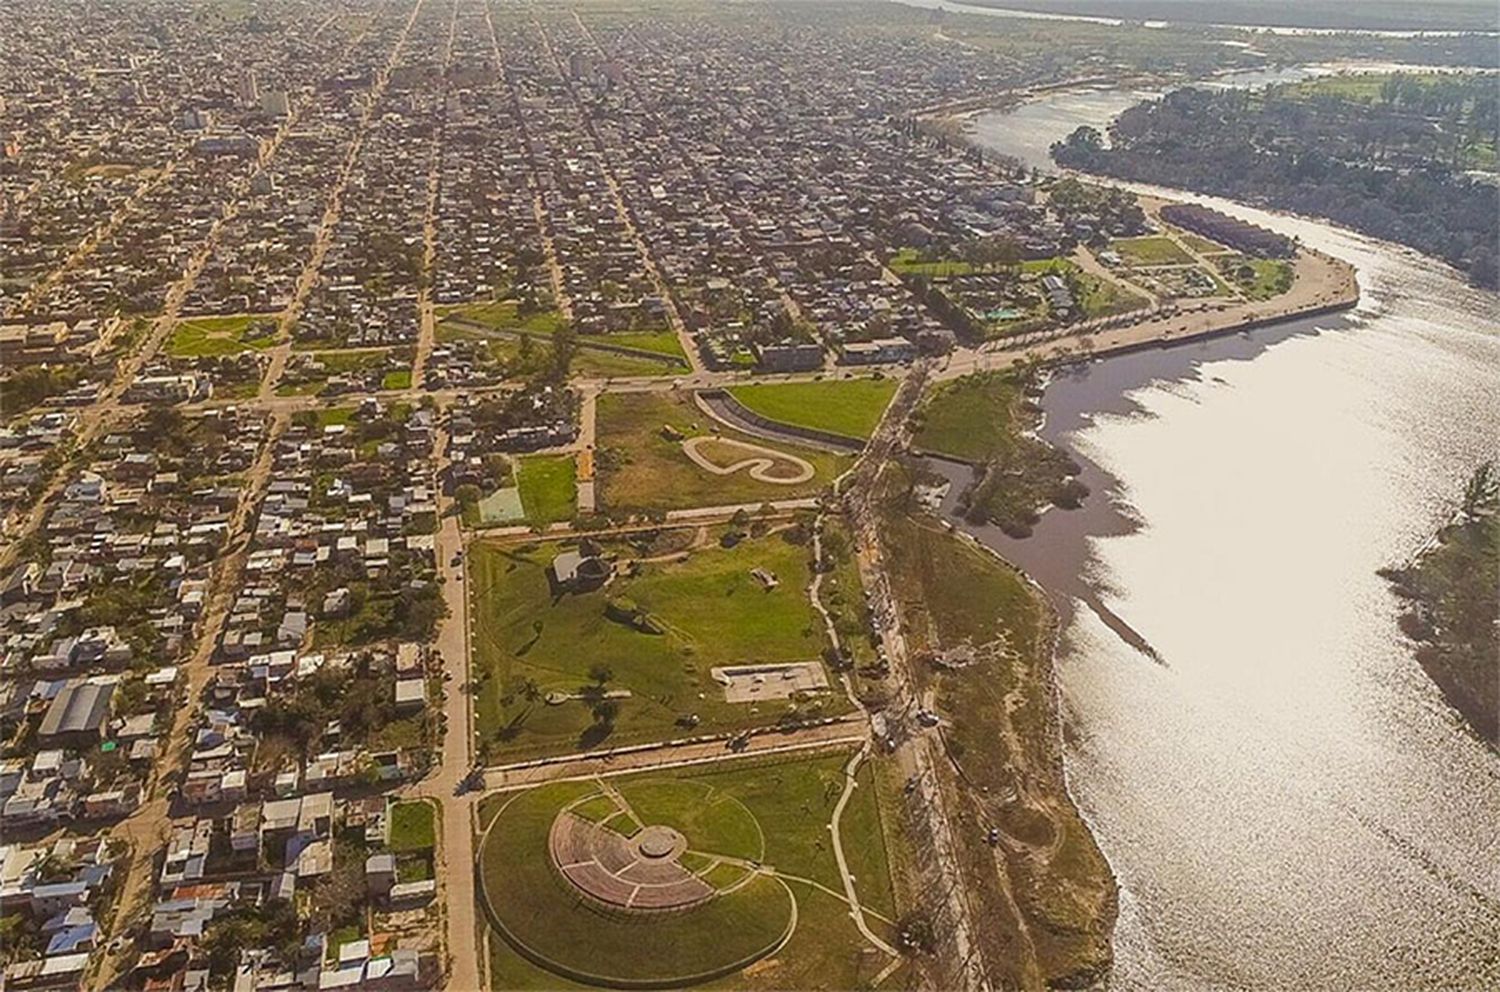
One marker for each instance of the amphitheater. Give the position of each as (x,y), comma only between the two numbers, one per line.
(640,872)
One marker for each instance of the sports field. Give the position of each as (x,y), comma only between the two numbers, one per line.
(756,831)
(530,642)
(548,487)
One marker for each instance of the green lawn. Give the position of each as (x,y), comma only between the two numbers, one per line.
(1151,250)
(549,491)
(413,827)
(396,380)
(850,407)
(970,418)
(714,821)
(214,337)
(1201,245)
(505,315)
(641,469)
(663,342)
(908,261)
(527,643)
(1257,278)
(783,804)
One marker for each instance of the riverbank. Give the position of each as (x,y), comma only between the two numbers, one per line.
(1265,781)
(984,637)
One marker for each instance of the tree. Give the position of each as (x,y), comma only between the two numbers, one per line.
(601,672)
(1481,492)
(606,711)
(467,494)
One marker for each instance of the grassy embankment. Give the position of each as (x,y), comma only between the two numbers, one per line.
(1044,892)
(987,419)
(653,351)
(849,407)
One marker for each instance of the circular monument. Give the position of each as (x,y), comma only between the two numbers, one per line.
(657,887)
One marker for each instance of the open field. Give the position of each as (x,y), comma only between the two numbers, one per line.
(597,363)
(775,810)
(970,419)
(212,337)
(548,487)
(662,342)
(1150,250)
(505,315)
(413,827)
(643,467)
(851,407)
(908,261)
(529,642)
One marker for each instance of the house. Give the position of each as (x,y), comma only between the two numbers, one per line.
(411,694)
(576,572)
(380,873)
(78,713)
(789,357)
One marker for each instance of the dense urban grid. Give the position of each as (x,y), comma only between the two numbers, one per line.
(388,383)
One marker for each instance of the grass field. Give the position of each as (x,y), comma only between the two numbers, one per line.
(549,491)
(528,643)
(597,363)
(505,315)
(662,342)
(1257,278)
(970,418)
(412,827)
(1201,245)
(214,337)
(777,810)
(1151,250)
(641,469)
(908,261)
(400,379)
(851,407)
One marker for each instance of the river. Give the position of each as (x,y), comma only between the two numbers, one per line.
(1287,801)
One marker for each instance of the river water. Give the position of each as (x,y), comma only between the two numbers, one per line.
(1284,796)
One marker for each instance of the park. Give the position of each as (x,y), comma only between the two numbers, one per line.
(669,879)
(630,659)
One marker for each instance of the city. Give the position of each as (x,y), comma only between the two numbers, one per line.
(511,495)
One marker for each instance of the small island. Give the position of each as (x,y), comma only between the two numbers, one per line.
(1451,610)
